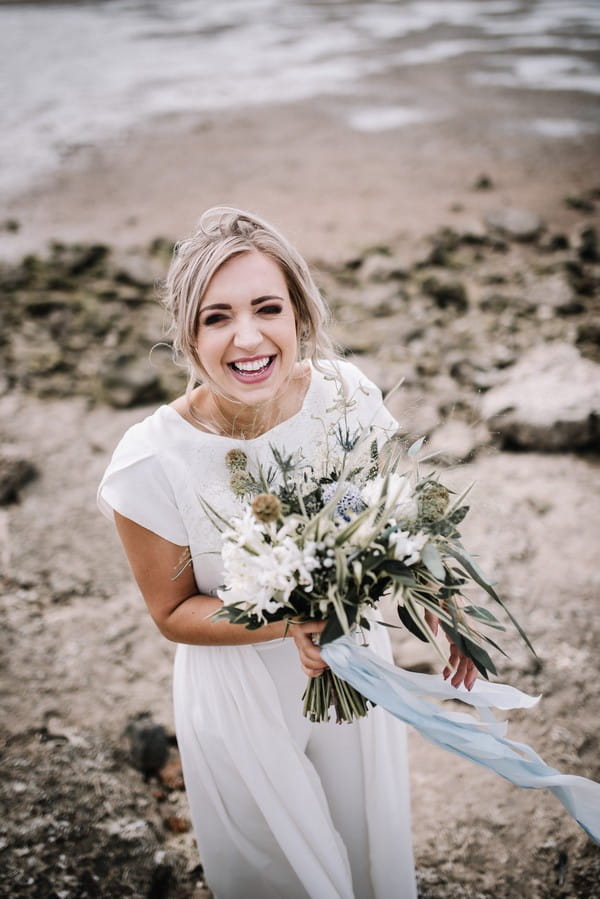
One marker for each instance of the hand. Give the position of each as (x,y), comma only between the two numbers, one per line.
(465,671)
(309,652)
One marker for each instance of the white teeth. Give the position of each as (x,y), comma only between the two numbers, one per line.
(255,365)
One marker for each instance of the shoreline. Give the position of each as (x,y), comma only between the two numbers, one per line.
(333,190)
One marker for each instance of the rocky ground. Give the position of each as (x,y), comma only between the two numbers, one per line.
(494,332)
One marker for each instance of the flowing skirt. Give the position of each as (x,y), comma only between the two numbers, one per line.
(281,806)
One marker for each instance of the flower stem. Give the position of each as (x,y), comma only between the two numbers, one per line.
(329,690)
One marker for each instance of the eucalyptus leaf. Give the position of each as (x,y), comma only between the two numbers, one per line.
(482,614)
(415,447)
(410,624)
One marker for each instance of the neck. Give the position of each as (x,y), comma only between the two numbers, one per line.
(217,414)
(233,419)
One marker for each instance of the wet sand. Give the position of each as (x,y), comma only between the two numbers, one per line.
(333,189)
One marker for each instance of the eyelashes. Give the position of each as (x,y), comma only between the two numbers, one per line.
(216,318)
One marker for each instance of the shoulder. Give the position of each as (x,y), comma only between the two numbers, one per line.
(141,440)
(137,484)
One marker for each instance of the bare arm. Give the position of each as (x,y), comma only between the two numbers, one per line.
(181,613)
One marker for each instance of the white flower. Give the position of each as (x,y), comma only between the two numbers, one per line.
(259,575)
(407,548)
(395,490)
(246,530)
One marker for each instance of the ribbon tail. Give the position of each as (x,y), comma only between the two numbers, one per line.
(406,695)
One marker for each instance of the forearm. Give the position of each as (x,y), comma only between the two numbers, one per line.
(192,622)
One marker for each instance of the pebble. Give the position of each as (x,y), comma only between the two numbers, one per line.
(516,224)
(148,743)
(15,472)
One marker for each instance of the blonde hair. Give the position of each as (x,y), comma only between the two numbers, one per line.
(222,233)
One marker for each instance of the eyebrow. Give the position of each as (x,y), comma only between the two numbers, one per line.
(254,302)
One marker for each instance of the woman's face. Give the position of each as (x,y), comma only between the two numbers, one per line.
(247,339)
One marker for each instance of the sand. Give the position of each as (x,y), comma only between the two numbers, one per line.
(81,653)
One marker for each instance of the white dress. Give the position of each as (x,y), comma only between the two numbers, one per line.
(280,806)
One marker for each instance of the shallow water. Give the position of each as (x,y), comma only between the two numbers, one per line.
(78,73)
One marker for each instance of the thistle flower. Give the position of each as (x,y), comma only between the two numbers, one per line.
(433,501)
(236,460)
(266,507)
(350,501)
(240,482)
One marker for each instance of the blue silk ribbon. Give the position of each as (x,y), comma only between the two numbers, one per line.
(405,694)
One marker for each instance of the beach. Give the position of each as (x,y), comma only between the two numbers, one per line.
(393,214)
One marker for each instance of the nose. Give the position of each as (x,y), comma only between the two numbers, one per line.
(247,335)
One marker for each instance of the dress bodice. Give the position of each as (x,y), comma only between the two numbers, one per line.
(165,468)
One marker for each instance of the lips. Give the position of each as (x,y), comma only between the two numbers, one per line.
(252,370)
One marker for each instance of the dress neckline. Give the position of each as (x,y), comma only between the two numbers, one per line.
(222,437)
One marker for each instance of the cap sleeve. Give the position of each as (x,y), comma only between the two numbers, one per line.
(136,486)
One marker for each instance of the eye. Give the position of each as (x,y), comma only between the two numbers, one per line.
(214,318)
(270,309)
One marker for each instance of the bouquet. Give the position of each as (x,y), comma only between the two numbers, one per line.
(328,542)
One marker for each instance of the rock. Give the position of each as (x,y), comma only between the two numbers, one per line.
(415,411)
(171,775)
(472,372)
(444,243)
(516,224)
(588,248)
(15,472)
(88,258)
(148,743)
(549,401)
(554,243)
(378,300)
(177,824)
(473,234)
(447,294)
(483,182)
(580,202)
(580,278)
(130,381)
(588,338)
(382,267)
(456,441)
(138,269)
(553,292)
(497,303)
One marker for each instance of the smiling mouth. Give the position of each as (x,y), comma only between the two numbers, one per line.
(253,367)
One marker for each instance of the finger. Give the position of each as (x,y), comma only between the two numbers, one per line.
(313,672)
(461,672)
(471,677)
(453,660)
(310,652)
(308,627)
